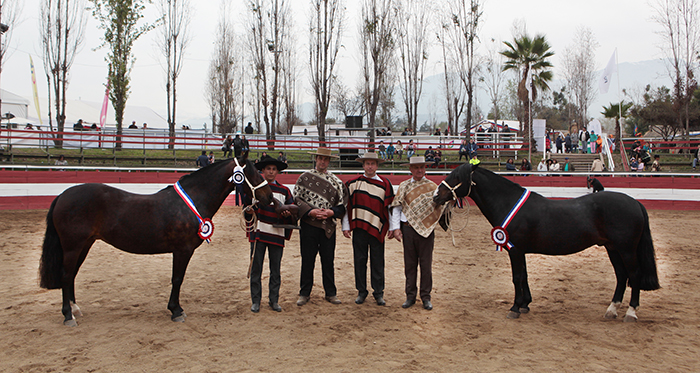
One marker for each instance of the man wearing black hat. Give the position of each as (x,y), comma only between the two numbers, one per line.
(266,236)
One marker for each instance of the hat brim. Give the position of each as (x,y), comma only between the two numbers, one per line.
(362,160)
(417,164)
(325,155)
(260,165)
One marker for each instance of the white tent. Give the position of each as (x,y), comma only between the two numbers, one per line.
(12,103)
(89,112)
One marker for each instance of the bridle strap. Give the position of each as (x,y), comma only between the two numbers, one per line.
(454,188)
(252,188)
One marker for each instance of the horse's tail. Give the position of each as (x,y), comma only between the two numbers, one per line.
(646,257)
(51,265)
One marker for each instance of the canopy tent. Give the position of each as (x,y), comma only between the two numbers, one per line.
(89,112)
(14,104)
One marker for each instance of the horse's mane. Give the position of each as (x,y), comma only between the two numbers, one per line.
(499,182)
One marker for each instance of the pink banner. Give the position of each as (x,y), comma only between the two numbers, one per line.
(103,113)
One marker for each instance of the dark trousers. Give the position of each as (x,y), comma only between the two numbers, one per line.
(313,242)
(417,250)
(258,253)
(362,243)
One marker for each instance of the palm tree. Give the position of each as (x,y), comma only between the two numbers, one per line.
(525,54)
(613,111)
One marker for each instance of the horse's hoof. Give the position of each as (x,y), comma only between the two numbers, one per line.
(629,318)
(525,310)
(610,315)
(72,323)
(513,315)
(180,318)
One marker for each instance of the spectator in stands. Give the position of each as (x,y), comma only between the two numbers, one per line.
(510,166)
(567,143)
(473,148)
(633,164)
(145,126)
(94,127)
(574,142)
(133,125)
(202,160)
(464,150)
(526,166)
(226,148)
(438,156)
(696,160)
(282,158)
(437,132)
(594,141)
(597,165)
(61,161)
(249,129)
(382,149)
(656,165)
(410,149)
(568,166)
(542,166)
(559,142)
(246,144)
(29,126)
(78,126)
(429,154)
(390,151)
(211,157)
(237,145)
(554,166)
(399,148)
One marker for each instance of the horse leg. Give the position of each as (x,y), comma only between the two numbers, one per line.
(517,264)
(72,260)
(631,315)
(527,296)
(621,276)
(73,304)
(180,261)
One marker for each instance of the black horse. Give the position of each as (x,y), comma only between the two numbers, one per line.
(560,227)
(140,224)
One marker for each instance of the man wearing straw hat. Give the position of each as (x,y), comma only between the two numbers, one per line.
(413,220)
(367,217)
(321,197)
(266,236)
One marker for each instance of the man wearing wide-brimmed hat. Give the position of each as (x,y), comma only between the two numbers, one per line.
(265,236)
(367,217)
(321,198)
(413,220)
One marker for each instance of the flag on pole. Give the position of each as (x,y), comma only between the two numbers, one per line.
(604,83)
(36,95)
(103,113)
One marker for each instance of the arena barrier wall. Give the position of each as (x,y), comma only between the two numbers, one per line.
(20,190)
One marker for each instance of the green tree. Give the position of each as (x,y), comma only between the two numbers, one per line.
(119,19)
(613,111)
(656,113)
(525,54)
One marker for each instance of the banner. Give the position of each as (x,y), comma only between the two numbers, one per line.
(36,95)
(103,113)
(604,83)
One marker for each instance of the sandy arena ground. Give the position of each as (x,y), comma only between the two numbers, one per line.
(126,326)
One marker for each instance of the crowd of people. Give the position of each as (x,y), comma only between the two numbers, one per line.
(369,213)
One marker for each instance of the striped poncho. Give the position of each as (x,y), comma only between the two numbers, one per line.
(368,205)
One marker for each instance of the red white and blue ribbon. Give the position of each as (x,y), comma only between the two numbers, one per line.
(499,234)
(206,227)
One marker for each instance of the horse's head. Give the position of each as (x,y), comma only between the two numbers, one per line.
(253,182)
(456,184)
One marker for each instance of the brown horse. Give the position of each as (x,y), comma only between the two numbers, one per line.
(141,224)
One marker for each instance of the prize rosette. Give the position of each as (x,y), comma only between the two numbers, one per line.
(499,236)
(206,229)
(238,176)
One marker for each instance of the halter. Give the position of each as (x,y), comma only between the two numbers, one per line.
(239,177)
(454,188)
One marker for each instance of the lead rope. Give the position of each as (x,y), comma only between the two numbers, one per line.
(451,208)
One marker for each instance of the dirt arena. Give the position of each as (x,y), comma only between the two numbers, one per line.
(126,326)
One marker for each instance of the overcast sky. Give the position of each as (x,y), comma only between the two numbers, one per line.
(622,24)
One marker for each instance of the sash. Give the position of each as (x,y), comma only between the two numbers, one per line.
(206,227)
(499,234)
